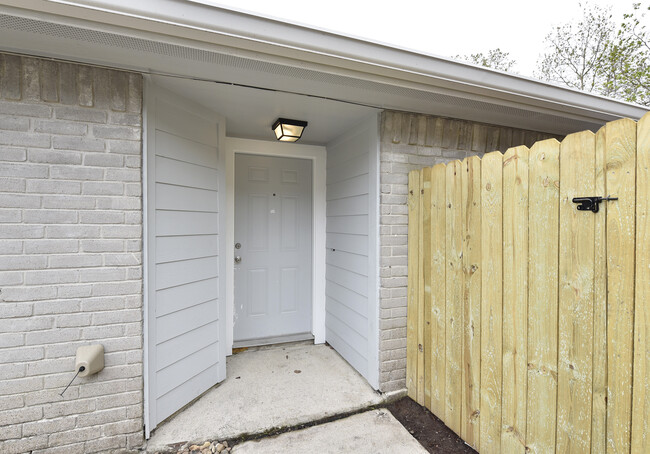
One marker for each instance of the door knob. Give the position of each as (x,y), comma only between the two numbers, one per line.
(237,259)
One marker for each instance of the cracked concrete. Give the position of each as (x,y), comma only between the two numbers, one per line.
(269,388)
(372,432)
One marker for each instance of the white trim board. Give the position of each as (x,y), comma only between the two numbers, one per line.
(318,155)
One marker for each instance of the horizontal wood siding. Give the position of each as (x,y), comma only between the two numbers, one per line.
(347,271)
(185,228)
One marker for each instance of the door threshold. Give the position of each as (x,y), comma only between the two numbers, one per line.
(273,340)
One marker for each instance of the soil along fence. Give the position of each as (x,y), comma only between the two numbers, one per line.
(529,319)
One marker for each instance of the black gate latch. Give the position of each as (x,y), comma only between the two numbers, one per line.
(591,203)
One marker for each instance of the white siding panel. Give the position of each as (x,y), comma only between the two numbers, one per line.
(338,338)
(351,300)
(355,145)
(186,331)
(351,262)
(352,281)
(170,325)
(178,273)
(353,225)
(182,173)
(354,244)
(352,319)
(349,206)
(186,223)
(356,185)
(175,248)
(348,169)
(181,149)
(187,295)
(182,198)
(169,352)
(188,390)
(191,365)
(181,122)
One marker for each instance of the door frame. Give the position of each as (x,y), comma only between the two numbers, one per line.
(318,156)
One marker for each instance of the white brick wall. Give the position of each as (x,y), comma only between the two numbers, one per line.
(70,256)
(411,141)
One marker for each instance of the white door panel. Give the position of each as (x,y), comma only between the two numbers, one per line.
(273,228)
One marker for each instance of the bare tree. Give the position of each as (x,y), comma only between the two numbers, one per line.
(578,51)
(595,54)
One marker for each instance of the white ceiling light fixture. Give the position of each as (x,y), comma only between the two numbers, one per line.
(287,130)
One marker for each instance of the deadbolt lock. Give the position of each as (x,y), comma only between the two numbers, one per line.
(237,245)
(238,259)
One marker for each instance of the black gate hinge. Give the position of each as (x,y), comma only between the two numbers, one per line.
(591,203)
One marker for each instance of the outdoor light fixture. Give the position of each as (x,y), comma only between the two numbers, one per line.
(288,130)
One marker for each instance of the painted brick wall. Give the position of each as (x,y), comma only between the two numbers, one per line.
(70,256)
(411,141)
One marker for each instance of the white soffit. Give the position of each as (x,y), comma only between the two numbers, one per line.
(501,99)
(249,113)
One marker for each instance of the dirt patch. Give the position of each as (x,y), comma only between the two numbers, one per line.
(427,428)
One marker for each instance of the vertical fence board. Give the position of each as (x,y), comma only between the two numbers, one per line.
(454,307)
(438,280)
(528,319)
(425,212)
(641,402)
(543,231)
(515,300)
(491,302)
(421,293)
(599,406)
(575,339)
(413,321)
(620,137)
(471,203)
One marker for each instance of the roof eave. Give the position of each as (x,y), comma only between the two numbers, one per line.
(236,29)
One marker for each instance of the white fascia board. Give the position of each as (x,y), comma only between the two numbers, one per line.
(272,38)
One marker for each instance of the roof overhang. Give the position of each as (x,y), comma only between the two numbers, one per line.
(195,40)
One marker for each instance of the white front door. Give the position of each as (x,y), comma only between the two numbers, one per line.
(186,332)
(273,247)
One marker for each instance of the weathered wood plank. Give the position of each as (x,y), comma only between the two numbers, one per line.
(543,231)
(575,345)
(421,294)
(438,296)
(599,406)
(620,139)
(515,300)
(426,283)
(471,203)
(413,291)
(454,292)
(641,397)
(491,301)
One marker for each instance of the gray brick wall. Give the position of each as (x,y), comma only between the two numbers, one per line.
(412,141)
(70,256)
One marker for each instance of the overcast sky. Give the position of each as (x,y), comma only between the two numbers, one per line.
(439,27)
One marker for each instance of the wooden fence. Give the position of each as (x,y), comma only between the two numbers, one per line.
(528,320)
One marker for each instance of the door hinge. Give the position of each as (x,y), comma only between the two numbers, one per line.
(591,203)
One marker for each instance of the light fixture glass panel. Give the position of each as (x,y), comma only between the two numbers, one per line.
(292,130)
(278,132)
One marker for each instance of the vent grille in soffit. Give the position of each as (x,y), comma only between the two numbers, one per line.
(115,40)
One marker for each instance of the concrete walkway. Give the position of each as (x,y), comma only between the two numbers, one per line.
(269,388)
(372,432)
